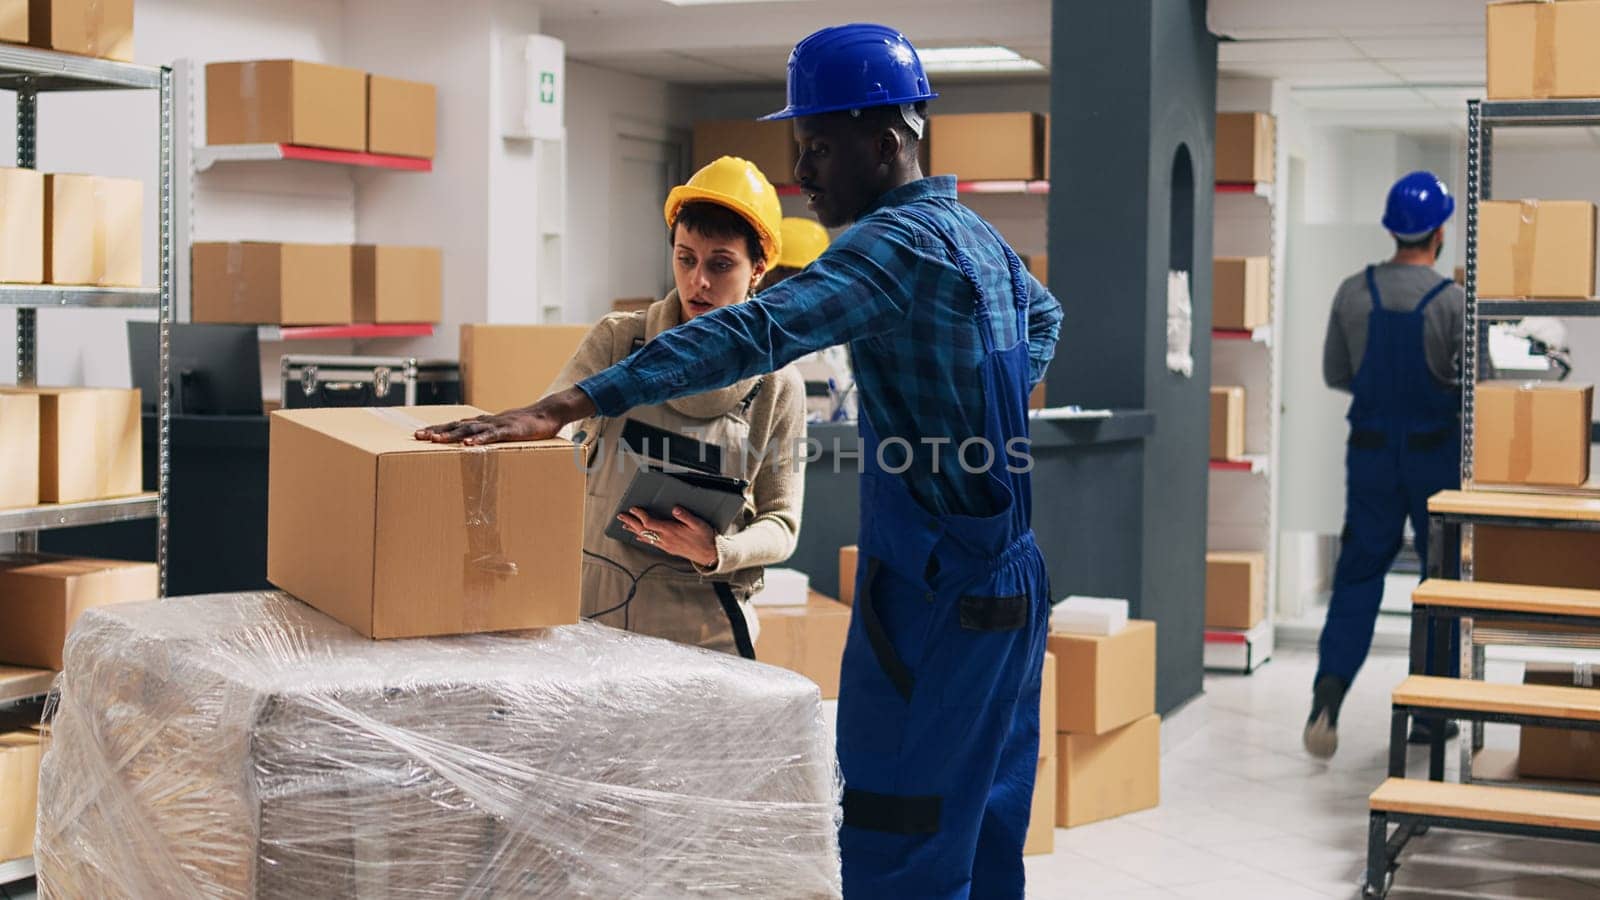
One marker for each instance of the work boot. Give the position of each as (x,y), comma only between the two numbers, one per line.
(1421,733)
(1321,737)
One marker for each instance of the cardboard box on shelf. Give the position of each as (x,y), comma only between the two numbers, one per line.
(1532,433)
(768,145)
(1104,776)
(1042,815)
(1542,49)
(1227,422)
(90,443)
(118,232)
(1536,248)
(250,283)
(400,538)
(847,574)
(1241,292)
(19,450)
(101,28)
(14,21)
(1004,146)
(20,753)
(1039,265)
(71,215)
(397,284)
(1536,556)
(21,226)
(1048,698)
(806,639)
(284,101)
(1236,589)
(1104,682)
(401,117)
(506,366)
(42,596)
(1246,145)
(1566,754)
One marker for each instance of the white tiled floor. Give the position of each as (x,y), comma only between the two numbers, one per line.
(1246,814)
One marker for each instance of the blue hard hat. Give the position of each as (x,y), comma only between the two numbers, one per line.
(1418,203)
(853,67)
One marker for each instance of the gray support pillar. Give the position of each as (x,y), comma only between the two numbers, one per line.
(1133,97)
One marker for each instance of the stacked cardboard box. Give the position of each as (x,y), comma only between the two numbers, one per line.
(1236,589)
(1536,248)
(1564,754)
(1042,819)
(397,537)
(92,231)
(1245,146)
(41,597)
(1005,146)
(1241,292)
(769,146)
(21,226)
(89,443)
(1538,49)
(1108,740)
(397,284)
(848,557)
(807,639)
(102,28)
(1532,433)
(19,450)
(401,117)
(20,754)
(252,283)
(285,101)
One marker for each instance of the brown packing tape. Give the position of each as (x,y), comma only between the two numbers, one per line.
(92,20)
(486,562)
(247,99)
(98,263)
(235,271)
(1522,250)
(1521,463)
(1544,50)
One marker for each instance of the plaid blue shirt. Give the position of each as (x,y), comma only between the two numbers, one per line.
(890,287)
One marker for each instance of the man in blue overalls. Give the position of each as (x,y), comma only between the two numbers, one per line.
(939,695)
(1403,322)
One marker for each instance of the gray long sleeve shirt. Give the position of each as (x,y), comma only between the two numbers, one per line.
(1402,287)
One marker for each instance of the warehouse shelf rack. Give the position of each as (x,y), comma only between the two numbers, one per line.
(268,333)
(29,72)
(207,156)
(1042,187)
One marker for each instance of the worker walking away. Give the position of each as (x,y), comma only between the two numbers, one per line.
(830,386)
(1394,342)
(938,720)
(676,577)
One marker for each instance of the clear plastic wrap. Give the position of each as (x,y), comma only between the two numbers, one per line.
(245,745)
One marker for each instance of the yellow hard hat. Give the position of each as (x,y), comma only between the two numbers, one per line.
(803,241)
(737,184)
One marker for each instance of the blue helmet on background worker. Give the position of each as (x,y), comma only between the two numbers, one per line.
(849,67)
(1418,204)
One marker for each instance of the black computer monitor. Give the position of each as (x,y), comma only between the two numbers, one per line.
(216,369)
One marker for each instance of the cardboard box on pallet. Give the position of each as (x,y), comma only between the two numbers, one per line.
(101,28)
(1104,776)
(1236,589)
(806,639)
(20,753)
(1007,146)
(506,366)
(397,284)
(1566,754)
(284,101)
(1536,248)
(769,146)
(1543,49)
(21,226)
(1532,433)
(251,283)
(41,596)
(19,450)
(90,443)
(1241,292)
(1104,682)
(399,538)
(1227,422)
(1245,147)
(401,117)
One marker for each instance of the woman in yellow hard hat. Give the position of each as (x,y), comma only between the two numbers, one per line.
(668,572)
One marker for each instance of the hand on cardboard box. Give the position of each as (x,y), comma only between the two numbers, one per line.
(538,422)
(684,535)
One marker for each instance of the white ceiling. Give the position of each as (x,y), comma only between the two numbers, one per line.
(1406,65)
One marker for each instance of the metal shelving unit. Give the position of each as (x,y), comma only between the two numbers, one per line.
(28,72)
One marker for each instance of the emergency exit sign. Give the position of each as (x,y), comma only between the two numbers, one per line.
(547,87)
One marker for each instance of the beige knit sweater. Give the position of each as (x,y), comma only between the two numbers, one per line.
(777,429)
